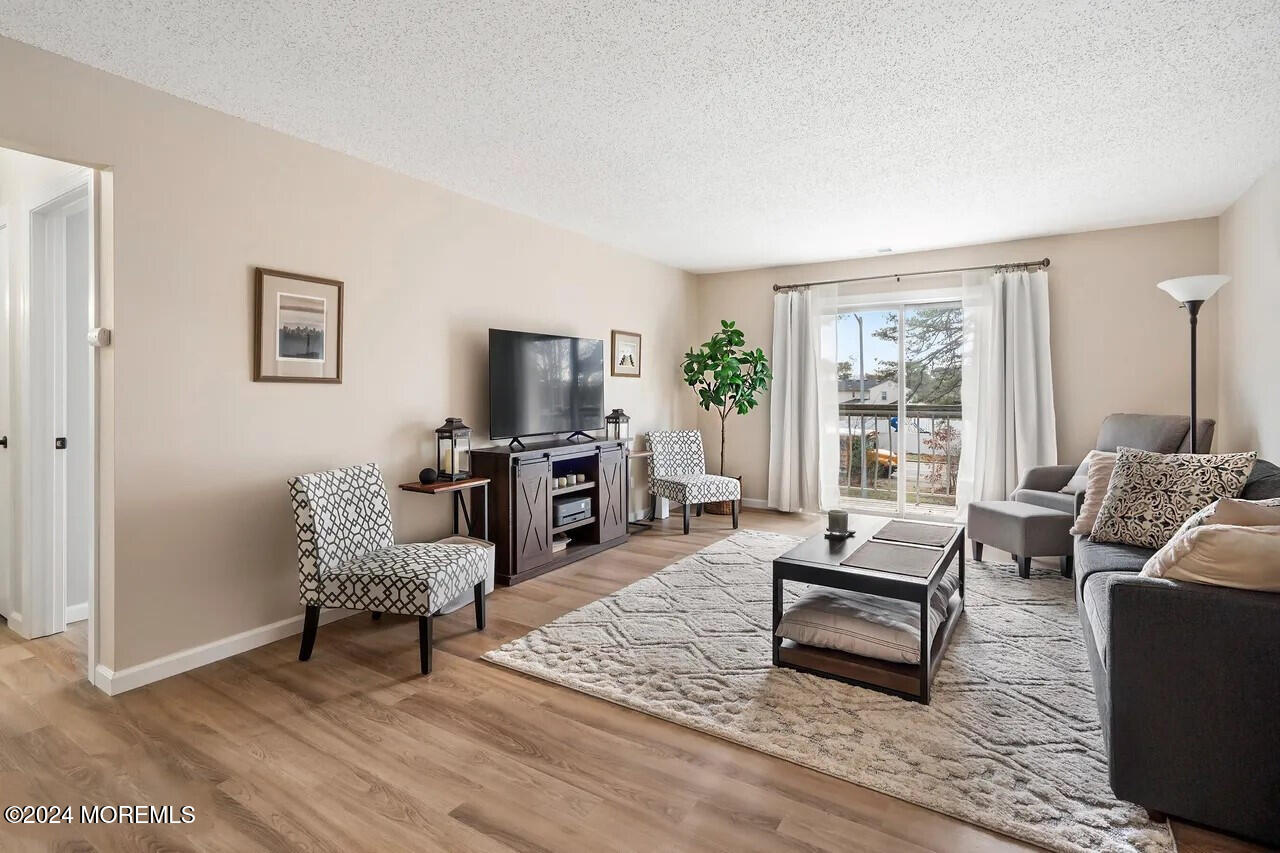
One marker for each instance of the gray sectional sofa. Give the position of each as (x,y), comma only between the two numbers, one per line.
(1187,678)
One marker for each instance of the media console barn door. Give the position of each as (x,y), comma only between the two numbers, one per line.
(521,494)
(611,497)
(532,512)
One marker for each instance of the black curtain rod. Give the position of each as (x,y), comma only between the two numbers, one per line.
(1025,265)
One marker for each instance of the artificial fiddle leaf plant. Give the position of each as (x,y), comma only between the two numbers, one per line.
(726,375)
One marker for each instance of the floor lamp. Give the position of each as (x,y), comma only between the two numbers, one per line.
(1192,291)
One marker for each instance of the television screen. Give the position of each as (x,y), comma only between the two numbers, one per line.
(543,384)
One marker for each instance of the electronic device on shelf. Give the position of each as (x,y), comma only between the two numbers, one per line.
(570,508)
(544,385)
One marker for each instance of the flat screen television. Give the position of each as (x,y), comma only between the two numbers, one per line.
(544,384)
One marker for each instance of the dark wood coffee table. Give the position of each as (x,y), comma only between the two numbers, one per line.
(817,561)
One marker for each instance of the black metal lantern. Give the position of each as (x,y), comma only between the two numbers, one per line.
(453,450)
(617,426)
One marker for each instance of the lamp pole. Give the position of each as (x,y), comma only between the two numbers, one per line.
(1193,311)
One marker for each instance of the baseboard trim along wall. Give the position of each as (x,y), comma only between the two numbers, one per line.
(77,612)
(130,678)
(755,503)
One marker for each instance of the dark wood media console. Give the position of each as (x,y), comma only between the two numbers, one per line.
(521,495)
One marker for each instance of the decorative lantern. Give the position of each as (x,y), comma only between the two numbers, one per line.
(453,450)
(617,426)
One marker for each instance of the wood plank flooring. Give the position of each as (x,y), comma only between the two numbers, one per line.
(355,750)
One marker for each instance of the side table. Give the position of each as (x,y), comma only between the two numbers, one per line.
(478,518)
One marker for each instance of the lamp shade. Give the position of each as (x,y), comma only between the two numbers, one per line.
(1193,288)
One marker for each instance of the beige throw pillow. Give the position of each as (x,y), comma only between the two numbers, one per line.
(864,624)
(1234,511)
(1152,494)
(1221,555)
(1099,464)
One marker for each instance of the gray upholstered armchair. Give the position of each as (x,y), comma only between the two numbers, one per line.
(1048,485)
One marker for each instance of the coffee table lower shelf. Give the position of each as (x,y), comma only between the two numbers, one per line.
(900,679)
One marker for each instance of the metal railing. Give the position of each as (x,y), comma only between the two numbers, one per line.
(925,449)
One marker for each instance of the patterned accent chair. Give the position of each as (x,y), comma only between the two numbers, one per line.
(678,472)
(347,556)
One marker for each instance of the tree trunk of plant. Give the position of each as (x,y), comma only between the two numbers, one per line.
(722,425)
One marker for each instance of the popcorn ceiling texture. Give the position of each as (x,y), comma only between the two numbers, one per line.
(713,135)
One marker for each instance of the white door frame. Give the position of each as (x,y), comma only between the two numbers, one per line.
(42,525)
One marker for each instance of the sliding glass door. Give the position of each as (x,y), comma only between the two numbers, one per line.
(898,378)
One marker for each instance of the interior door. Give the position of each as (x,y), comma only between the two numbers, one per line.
(532,505)
(611,495)
(6,430)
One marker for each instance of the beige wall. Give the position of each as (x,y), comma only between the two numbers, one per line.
(1118,343)
(1249,306)
(203,540)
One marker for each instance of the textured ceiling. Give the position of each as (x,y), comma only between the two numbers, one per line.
(715,134)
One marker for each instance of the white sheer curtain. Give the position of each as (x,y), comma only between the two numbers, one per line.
(803,443)
(1006,390)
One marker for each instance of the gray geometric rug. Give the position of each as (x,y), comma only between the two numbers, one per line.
(1011,741)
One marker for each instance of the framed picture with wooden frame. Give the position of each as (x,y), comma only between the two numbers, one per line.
(626,354)
(297,327)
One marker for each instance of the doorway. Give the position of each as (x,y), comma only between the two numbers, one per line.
(47,396)
(899,406)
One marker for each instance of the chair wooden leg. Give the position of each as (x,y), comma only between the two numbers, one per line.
(310,622)
(377,614)
(480,606)
(424,643)
(698,510)
(736,504)
(686,519)
(1024,566)
(1068,566)
(977,551)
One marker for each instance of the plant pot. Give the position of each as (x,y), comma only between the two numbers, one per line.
(722,507)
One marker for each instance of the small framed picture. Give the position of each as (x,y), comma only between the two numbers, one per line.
(297,328)
(626,353)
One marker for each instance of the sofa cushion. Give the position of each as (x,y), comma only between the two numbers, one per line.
(1097,478)
(1050,500)
(1095,597)
(1094,557)
(1263,482)
(1152,494)
(1237,556)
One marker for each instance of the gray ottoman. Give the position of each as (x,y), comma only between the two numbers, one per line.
(1024,530)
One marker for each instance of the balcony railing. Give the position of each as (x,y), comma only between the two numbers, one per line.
(925,449)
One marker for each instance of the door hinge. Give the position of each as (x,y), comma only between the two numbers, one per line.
(60,443)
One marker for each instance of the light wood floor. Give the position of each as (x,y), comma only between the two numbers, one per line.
(355,750)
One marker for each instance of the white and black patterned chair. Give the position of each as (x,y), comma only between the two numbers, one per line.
(347,556)
(678,472)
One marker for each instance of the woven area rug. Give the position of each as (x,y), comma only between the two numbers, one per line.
(1011,741)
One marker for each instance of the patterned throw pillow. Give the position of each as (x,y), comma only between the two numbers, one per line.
(1236,512)
(1152,494)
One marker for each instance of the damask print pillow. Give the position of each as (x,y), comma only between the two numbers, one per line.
(1152,494)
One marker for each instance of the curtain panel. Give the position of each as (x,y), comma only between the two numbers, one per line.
(803,444)
(1007,417)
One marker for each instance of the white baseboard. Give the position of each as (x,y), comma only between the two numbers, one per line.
(15,624)
(755,503)
(129,678)
(77,612)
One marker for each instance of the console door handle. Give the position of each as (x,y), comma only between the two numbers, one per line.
(4,441)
